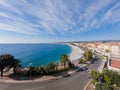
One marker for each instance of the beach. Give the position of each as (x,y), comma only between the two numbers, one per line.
(76,53)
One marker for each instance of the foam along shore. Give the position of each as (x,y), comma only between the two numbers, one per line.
(76,53)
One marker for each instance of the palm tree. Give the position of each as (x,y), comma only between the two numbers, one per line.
(88,55)
(51,67)
(16,64)
(64,59)
(56,66)
(70,65)
(42,69)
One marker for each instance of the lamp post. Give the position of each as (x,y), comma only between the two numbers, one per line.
(30,65)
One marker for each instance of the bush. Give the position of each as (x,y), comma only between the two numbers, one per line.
(115,88)
(108,80)
(114,76)
(81,60)
(95,75)
(103,86)
(46,70)
(88,55)
(64,69)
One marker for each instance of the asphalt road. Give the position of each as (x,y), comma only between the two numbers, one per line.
(76,81)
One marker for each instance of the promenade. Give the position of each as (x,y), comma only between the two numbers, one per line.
(76,81)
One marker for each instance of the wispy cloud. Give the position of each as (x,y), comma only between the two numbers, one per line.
(112,16)
(57,16)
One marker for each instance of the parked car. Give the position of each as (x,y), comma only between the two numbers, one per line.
(92,61)
(54,79)
(85,68)
(66,75)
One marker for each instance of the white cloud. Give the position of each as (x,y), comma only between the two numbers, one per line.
(16,29)
(56,16)
(112,16)
(5,4)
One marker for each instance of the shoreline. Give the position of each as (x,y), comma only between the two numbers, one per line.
(75,53)
(73,56)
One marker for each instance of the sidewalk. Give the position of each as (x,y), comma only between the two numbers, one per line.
(39,78)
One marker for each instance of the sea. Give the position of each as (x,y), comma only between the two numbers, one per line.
(36,54)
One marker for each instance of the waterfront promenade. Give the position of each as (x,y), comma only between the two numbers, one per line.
(76,81)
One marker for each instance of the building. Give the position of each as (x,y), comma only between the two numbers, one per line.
(114,64)
(115,48)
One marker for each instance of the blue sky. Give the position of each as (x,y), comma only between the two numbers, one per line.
(41,21)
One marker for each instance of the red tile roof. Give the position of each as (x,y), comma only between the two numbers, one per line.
(114,44)
(115,63)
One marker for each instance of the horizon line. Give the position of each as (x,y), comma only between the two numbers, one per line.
(58,42)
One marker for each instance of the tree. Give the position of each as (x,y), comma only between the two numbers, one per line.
(107,50)
(42,69)
(56,66)
(114,77)
(100,78)
(64,59)
(51,67)
(88,55)
(16,63)
(5,61)
(94,75)
(102,86)
(81,60)
(8,61)
(70,65)
(85,54)
(107,79)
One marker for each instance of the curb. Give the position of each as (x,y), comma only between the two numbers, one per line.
(87,85)
(37,80)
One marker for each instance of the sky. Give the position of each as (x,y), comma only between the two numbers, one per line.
(45,21)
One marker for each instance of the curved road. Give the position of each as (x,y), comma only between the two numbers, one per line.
(76,81)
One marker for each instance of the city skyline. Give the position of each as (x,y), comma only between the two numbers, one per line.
(33,21)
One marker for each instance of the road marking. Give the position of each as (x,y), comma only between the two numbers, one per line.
(34,88)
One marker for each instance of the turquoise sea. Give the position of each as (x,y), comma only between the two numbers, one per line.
(37,54)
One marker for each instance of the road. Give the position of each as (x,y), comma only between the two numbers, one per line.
(76,81)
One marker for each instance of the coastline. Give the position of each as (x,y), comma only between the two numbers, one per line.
(75,53)
(73,56)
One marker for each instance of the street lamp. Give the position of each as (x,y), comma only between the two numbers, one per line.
(30,65)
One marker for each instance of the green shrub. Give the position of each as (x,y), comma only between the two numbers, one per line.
(64,69)
(103,86)
(114,76)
